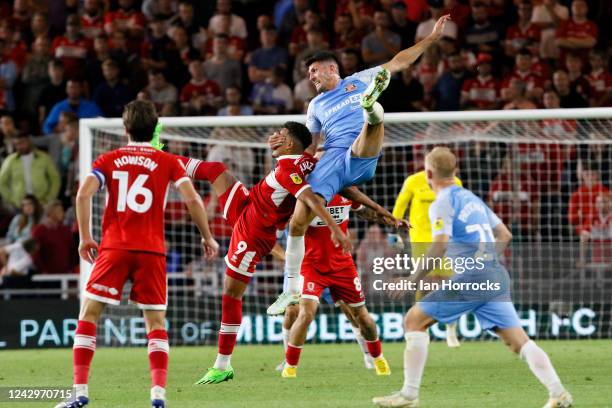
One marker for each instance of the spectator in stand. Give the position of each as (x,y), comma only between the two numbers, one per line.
(314,43)
(350,61)
(15,48)
(163,9)
(22,13)
(522,72)
(400,24)
(8,133)
(56,252)
(600,80)
(547,16)
(345,33)
(446,93)
(185,18)
(481,92)
(21,225)
(525,32)
(53,92)
(112,95)
(92,19)
(381,44)
(159,52)
(578,81)
(163,94)
(304,90)
(52,143)
(577,35)
(294,17)
(299,41)
(273,96)
(598,231)
(460,13)
(569,97)
(127,19)
(234,105)
(516,96)
(220,67)
(236,47)
(200,96)
(69,161)
(28,171)
(186,52)
(8,76)
(72,48)
(582,210)
(237,26)
(405,93)
(515,198)
(483,35)
(436,9)
(268,57)
(16,263)
(34,78)
(39,26)
(373,245)
(83,108)
(94,64)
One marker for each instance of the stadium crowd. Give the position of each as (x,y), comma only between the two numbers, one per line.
(63,61)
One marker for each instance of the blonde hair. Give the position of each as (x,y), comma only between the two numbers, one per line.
(442,162)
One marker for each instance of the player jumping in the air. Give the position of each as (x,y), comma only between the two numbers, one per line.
(256,216)
(136,178)
(346,113)
(465,230)
(327,266)
(417,194)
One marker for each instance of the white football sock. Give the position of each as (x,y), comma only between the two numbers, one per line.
(360,340)
(294,255)
(81,390)
(285,338)
(222,362)
(415,357)
(158,393)
(375,115)
(542,368)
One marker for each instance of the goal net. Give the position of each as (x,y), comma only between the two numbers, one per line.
(546,173)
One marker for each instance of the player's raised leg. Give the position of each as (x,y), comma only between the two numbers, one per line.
(294,255)
(231,318)
(539,364)
(297,336)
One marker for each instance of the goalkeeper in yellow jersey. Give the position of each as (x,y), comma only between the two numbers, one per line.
(418,195)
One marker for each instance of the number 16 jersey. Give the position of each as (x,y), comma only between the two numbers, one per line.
(137,179)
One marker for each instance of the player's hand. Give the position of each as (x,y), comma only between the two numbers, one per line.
(276,140)
(396,223)
(88,250)
(211,248)
(340,239)
(396,241)
(439,27)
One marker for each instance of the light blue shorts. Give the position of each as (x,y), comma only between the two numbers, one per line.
(338,169)
(490,315)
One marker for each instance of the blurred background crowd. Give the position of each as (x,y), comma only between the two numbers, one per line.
(61,61)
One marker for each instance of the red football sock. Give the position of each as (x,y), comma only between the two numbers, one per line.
(292,355)
(83,350)
(158,357)
(374,347)
(201,170)
(231,317)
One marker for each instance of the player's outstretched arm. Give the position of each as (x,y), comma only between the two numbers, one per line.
(373,211)
(194,204)
(87,246)
(338,237)
(407,57)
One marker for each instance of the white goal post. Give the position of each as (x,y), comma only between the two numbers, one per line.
(512,159)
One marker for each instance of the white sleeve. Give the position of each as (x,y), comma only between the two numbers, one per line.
(312,122)
(441,217)
(365,76)
(494,220)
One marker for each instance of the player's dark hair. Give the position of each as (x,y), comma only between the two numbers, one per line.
(140,119)
(322,56)
(299,132)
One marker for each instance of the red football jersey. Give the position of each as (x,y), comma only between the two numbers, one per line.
(570,29)
(531,80)
(600,83)
(124,20)
(137,179)
(481,92)
(204,88)
(519,38)
(91,27)
(320,249)
(72,53)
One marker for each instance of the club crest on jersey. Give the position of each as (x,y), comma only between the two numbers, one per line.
(310,287)
(296,178)
(350,87)
(438,224)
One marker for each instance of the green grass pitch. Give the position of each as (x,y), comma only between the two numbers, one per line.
(481,374)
